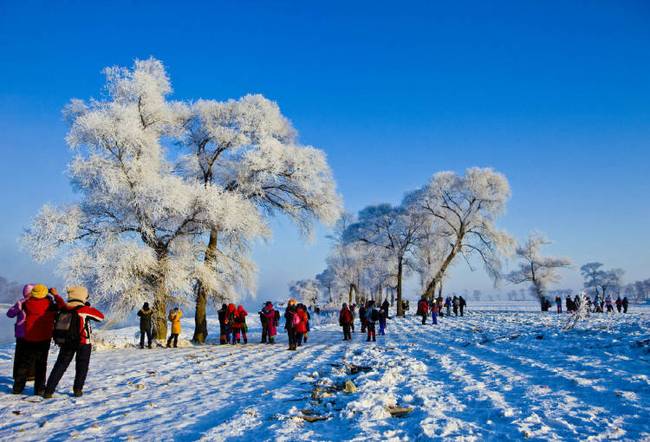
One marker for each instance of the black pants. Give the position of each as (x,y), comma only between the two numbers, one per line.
(173,337)
(81,355)
(142,335)
(462,311)
(299,337)
(347,334)
(424,318)
(265,333)
(371,330)
(223,334)
(32,356)
(291,334)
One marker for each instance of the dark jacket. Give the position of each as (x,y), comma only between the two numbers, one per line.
(145,319)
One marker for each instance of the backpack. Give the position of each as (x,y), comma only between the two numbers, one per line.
(374,315)
(66,328)
(295,319)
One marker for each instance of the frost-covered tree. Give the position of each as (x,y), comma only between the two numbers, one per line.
(249,149)
(463,209)
(599,280)
(534,268)
(327,281)
(308,291)
(136,232)
(392,231)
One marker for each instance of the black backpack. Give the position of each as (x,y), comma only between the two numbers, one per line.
(66,328)
(374,315)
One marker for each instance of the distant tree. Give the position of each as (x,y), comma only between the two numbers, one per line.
(538,270)
(10,291)
(392,231)
(462,209)
(601,281)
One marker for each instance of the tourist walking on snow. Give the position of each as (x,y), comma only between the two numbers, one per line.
(434,313)
(619,303)
(448,305)
(270,323)
(362,317)
(624,303)
(608,304)
(222,315)
(75,342)
(423,309)
(40,311)
(239,326)
(291,319)
(372,316)
(454,305)
(353,309)
(17,311)
(383,317)
(461,305)
(345,321)
(145,314)
(174,317)
(301,326)
(558,304)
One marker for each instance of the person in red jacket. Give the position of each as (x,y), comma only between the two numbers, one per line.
(80,349)
(240,324)
(346,320)
(301,327)
(40,309)
(423,309)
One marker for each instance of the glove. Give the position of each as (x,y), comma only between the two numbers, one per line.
(54,291)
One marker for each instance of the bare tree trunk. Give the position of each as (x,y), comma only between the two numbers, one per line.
(400,271)
(350,294)
(200,312)
(437,279)
(160,312)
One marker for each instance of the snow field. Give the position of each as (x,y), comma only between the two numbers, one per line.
(488,376)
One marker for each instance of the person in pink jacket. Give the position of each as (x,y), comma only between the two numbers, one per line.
(17,311)
(271,322)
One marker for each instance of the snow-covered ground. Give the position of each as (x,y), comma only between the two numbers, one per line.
(491,375)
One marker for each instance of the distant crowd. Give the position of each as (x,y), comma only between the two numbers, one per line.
(598,304)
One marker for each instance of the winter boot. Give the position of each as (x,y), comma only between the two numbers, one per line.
(78,393)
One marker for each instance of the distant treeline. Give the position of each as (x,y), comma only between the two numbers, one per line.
(9,290)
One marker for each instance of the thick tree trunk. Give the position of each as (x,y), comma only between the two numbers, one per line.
(160,312)
(437,279)
(400,271)
(200,312)
(350,294)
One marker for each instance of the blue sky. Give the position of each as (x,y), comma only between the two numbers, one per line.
(556,95)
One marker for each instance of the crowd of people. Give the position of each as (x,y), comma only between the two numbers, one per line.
(439,307)
(42,316)
(369,315)
(598,304)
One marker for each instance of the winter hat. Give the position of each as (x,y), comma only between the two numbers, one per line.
(27,290)
(77,293)
(39,291)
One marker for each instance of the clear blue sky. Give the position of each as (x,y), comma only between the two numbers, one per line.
(554,94)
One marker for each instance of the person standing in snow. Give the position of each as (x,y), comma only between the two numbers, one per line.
(17,311)
(78,344)
(231,312)
(290,321)
(362,317)
(264,323)
(301,326)
(40,311)
(624,303)
(608,304)
(269,314)
(423,309)
(353,309)
(558,304)
(307,324)
(345,321)
(174,317)
(454,305)
(448,305)
(223,324)
(240,325)
(461,305)
(383,316)
(440,303)
(435,309)
(619,303)
(145,314)
(372,316)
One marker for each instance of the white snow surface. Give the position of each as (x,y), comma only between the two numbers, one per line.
(492,375)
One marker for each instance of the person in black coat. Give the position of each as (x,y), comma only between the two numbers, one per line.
(223,327)
(461,305)
(145,314)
